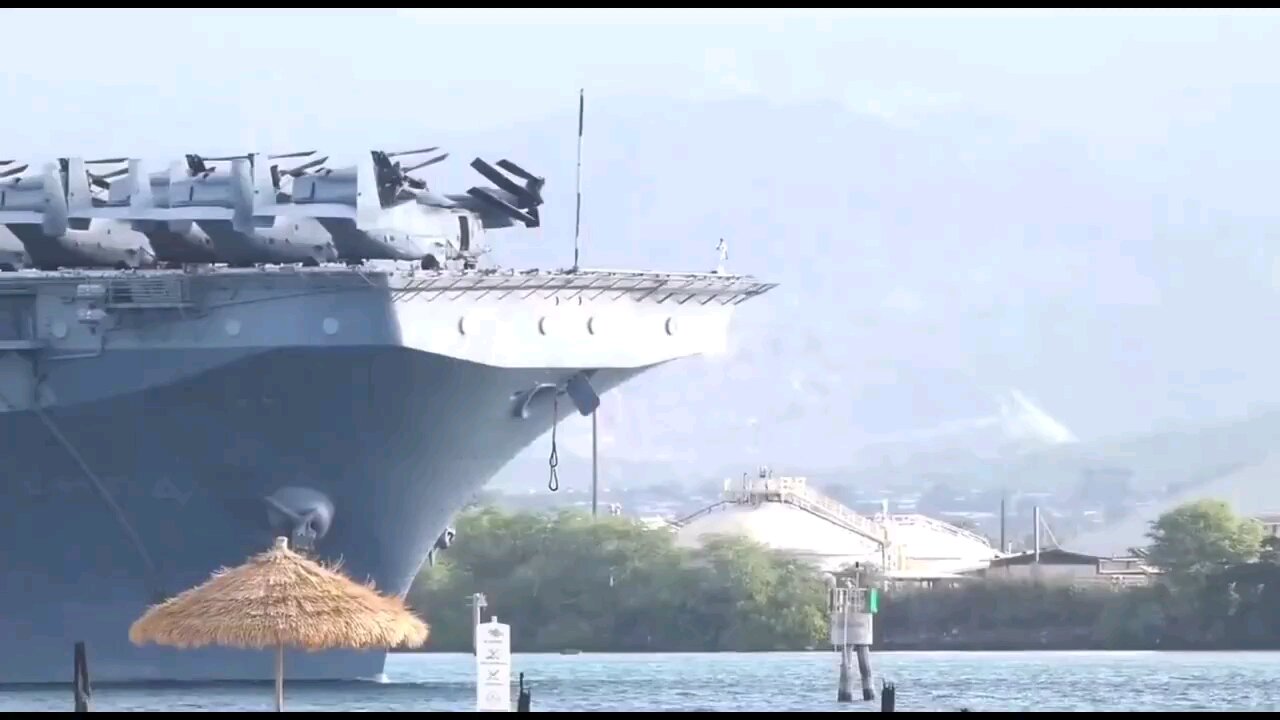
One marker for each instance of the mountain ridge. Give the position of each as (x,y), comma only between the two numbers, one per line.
(920,269)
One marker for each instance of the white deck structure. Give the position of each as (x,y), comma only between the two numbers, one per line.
(786,514)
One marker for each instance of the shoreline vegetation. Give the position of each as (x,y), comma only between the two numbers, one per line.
(564,581)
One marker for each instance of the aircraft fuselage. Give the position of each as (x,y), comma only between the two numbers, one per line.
(106,243)
(273,239)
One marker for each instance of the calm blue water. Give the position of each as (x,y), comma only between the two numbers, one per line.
(1036,681)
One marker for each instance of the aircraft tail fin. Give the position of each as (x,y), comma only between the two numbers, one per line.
(79,199)
(28,199)
(206,195)
(241,195)
(367,203)
(56,216)
(139,187)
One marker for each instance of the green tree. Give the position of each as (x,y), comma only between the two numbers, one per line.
(1131,619)
(1200,537)
(564,580)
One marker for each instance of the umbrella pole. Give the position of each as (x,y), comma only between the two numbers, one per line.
(280,678)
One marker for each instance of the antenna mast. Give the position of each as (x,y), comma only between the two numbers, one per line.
(577,217)
(577,226)
(595,466)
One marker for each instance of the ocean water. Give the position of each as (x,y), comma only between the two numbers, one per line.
(736,682)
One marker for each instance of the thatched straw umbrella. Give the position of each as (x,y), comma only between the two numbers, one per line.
(277,599)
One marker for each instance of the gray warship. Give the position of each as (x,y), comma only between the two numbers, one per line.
(198,359)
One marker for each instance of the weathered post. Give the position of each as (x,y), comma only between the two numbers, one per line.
(524,700)
(888,697)
(80,679)
(850,609)
(478,602)
(844,693)
(864,671)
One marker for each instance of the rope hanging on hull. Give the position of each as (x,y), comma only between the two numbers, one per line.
(157,592)
(153,584)
(553,483)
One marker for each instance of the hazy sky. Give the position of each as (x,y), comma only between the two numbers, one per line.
(1135,146)
(164,81)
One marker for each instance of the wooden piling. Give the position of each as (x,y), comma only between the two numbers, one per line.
(888,697)
(864,671)
(525,699)
(80,679)
(844,692)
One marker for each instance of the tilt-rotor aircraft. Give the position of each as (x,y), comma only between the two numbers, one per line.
(199,212)
(51,213)
(13,256)
(376,210)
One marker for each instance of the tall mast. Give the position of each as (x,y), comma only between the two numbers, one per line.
(577,216)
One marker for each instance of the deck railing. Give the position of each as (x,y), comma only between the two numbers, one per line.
(796,491)
(931,523)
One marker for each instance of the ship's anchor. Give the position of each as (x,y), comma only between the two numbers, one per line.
(309,513)
(577,387)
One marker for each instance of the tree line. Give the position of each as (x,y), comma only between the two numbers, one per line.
(563,580)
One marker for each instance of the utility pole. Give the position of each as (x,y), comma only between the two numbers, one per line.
(1003,547)
(595,465)
(1036,520)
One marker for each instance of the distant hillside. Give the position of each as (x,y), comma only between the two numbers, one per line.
(924,271)
(1156,462)
(1146,473)
(1250,490)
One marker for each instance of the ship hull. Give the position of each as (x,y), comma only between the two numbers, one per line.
(114,503)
